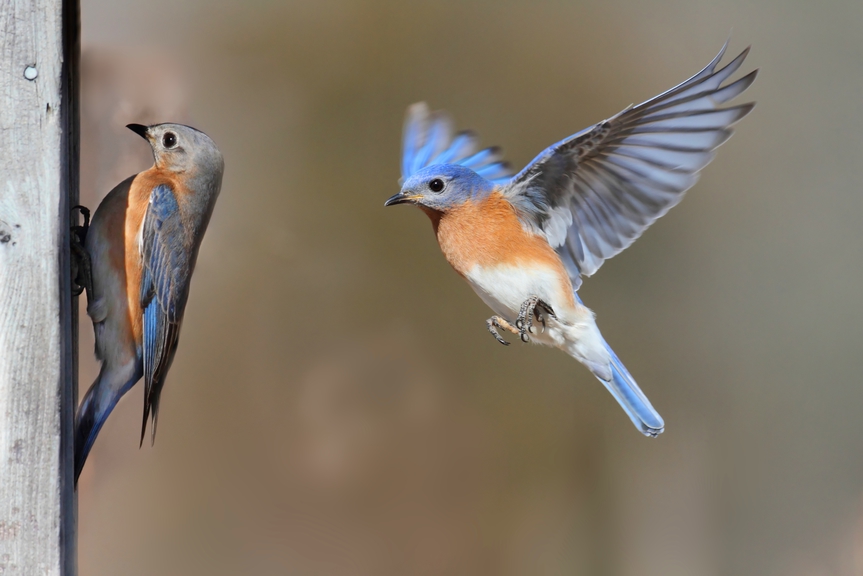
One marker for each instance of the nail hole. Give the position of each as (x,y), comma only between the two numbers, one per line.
(30,73)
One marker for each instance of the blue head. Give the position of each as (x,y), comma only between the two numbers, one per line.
(442,187)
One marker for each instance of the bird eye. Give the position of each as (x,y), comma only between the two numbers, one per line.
(436,185)
(169,140)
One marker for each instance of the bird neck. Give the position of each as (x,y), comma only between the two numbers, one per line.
(434,216)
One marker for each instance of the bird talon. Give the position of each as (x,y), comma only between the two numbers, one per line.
(548,310)
(496,322)
(530,308)
(82,276)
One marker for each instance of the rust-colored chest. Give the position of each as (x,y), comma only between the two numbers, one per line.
(488,233)
(136,209)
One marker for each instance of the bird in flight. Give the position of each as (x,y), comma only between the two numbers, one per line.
(524,241)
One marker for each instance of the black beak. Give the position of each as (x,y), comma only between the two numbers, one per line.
(399,199)
(138,129)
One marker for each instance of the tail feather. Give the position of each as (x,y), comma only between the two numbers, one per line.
(630,397)
(151,412)
(95,408)
(627,393)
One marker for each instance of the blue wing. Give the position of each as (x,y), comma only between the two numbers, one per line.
(594,193)
(164,290)
(428,140)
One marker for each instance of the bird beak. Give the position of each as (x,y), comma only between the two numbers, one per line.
(139,129)
(401,198)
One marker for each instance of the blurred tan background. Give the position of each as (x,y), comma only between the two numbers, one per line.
(337,406)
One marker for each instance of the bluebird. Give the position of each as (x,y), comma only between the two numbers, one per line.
(141,249)
(524,241)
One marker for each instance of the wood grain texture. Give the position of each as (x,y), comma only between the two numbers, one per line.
(38,184)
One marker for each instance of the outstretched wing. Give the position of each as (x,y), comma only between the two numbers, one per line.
(164,291)
(428,140)
(594,193)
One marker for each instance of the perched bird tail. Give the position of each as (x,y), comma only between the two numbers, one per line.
(97,404)
(630,397)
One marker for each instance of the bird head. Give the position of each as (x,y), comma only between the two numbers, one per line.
(442,187)
(180,148)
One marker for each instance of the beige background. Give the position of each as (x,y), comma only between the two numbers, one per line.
(337,407)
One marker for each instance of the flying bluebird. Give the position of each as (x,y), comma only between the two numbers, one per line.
(142,246)
(523,242)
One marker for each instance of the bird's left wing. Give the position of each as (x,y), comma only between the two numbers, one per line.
(164,291)
(428,140)
(594,193)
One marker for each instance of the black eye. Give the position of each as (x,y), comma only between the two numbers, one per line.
(169,140)
(436,185)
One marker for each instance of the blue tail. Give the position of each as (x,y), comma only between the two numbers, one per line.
(98,403)
(630,397)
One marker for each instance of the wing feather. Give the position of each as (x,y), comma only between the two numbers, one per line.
(428,140)
(166,257)
(594,193)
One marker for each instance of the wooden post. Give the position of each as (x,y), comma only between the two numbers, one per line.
(39,52)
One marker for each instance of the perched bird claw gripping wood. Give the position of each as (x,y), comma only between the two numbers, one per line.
(524,241)
(142,246)
(82,276)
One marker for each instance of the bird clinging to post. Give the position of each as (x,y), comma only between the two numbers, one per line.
(523,242)
(142,246)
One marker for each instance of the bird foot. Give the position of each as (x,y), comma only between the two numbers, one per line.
(82,274)
(530,308)
(496,322)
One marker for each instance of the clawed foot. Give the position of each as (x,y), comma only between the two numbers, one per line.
(82,278)
(530,308)
(496,322)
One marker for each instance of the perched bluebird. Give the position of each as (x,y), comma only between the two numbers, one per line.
(523,242)
(142,246)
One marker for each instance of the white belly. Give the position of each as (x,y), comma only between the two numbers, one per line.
(505,288)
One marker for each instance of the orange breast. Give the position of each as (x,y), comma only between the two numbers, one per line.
(488,233)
